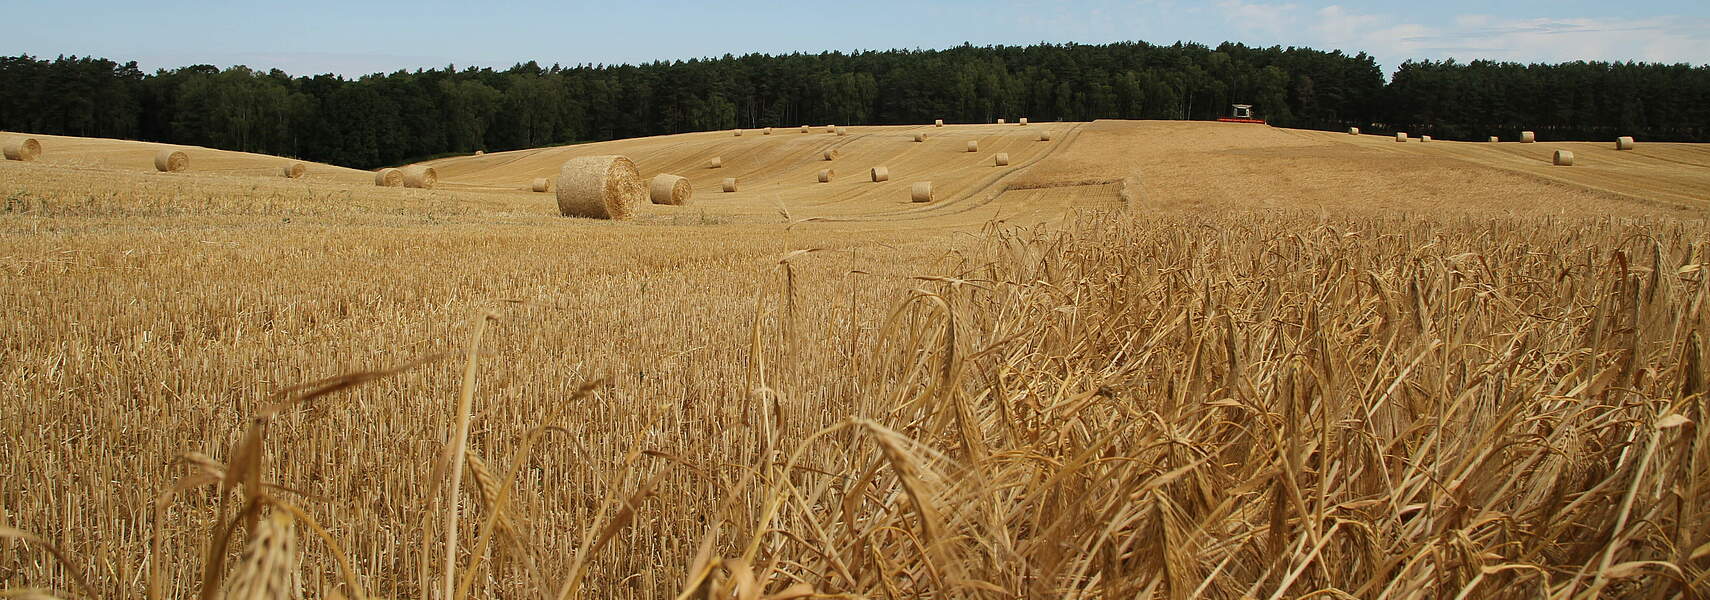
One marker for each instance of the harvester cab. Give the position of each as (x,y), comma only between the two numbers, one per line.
(1241,113)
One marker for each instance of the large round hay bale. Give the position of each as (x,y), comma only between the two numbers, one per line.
(921,191)
(1400,136)
(670,189)
(938,123)
(973,145)
(920,137)
(729,184)
(879,174)
(1494,139)
(831,154)
(1353,131)
(842,131)
(168,160)
(804,129)
(600,187)
(739,133)
(825,175)
(1001,121)
(389,178)
(22,149)
(715,163)
(1044,136)
(1000,159)
(1624,142)
(766,131)
(480,152)
(831,129)
(541,184)
(1564,158)
(1023,121)
(421,177)
(1527,137)
(293,170)
(1424,138)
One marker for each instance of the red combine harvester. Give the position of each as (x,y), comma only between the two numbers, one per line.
(1243,113)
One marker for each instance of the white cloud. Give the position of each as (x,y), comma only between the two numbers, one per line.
(1259,17)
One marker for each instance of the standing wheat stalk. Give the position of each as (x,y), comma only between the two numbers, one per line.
(459,444)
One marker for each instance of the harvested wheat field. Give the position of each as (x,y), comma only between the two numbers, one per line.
(1141,360)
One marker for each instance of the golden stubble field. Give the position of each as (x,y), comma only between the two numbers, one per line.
(1146,359)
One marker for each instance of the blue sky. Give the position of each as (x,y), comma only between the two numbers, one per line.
(353,38)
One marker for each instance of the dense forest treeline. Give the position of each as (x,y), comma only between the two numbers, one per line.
(386,119)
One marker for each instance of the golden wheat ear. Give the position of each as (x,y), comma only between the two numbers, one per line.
(268,568)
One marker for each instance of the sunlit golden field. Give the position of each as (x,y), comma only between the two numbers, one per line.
(1145,359)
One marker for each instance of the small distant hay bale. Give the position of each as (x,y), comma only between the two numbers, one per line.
(1001,121)
(389,178)
(842,131)
(825,175)
(673,190)
(23,149)
(1494,139)
(1023,121)
(1044,136)
(973,145)
(421,177)
(729,184)
(1353,131)
(804,129)
(938,123)
(1564,158)
(738,132)
(830,154)
(171,161)
(480,152)
(920,137)
(1424,138)
(293,170)
(880,174)
(1527,137)
(715,163)
(831,129)
(921,191)
(1624,142)
(1001,159)
(766,131)
(600,187)
(541,184)
(1400,136)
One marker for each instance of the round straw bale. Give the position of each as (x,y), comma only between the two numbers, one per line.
(738,133)
(842,131)
(825,175)
(541,184)
(1564,158)
(730,184)
(1044,136)
(1624,142)
(1353,131)
(293,170)
(921,191)
(1494,139)
(670,189)
(388,178)
(804,129)
(1023,121)
(831,129)
(973,145)
(421,177)
(880,174)
(480,152)
(830,154)
(920,137)
(766,131)
(1001,159)
(1400,136)
(168,160)
(1001,121)
(715,163)
(1424,138)
(24,149)
(1527,137)
(938,123)
(600,187)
